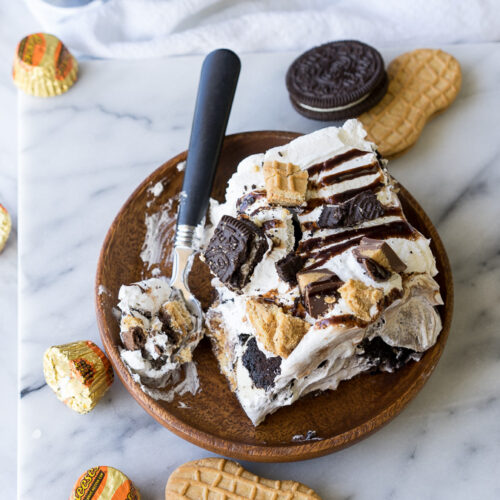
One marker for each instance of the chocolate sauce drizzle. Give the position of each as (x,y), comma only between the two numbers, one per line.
(335,161)
(374,186)
(249,199)
(314,247)
(346,175)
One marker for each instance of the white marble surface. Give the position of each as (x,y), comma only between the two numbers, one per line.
(15,22)
(82,154)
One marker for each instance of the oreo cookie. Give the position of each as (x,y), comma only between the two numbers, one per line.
(337,80)
(234,250)
(262,370)
(360,208)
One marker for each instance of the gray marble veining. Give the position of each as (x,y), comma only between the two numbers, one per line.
(82,154)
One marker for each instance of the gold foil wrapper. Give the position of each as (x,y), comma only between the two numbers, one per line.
(104,483)
(5,226)
(43,66)
(79,373)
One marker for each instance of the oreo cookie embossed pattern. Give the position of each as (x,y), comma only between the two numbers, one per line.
(337,80)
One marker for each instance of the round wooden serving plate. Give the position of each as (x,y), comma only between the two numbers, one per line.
(214,419)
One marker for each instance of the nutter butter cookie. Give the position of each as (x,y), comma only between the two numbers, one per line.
(422,83)
(43,66)
(79,373)
(337,80)
(104,483)
(218,478)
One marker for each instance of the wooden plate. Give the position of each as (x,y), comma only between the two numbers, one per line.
(214,419)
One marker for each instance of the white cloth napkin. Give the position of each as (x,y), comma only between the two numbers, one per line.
(155,28)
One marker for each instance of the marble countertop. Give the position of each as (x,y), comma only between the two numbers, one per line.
(445,445)
(82,154)
(15,21)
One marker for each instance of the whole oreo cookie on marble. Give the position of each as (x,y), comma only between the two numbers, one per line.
(337,80)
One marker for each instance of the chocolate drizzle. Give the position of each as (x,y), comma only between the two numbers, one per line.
(395,229)
(248,200)
(346,175)
(335,161)
(374,186)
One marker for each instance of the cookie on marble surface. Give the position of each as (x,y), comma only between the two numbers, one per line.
(337,80)
(421,84)
(221,479)
(5,226)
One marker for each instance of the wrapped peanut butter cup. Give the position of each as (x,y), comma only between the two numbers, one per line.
(5,226)
(79,373)
(104,483)
(43,66)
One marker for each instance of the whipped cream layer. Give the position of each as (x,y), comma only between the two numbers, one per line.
(340,164)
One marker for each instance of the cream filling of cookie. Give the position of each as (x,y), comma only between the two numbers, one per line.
(337,108)
(159,362)
(340,163)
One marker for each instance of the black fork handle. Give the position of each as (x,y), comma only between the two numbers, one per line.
(219,76)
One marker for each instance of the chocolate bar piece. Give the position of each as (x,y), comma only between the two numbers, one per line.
(381,253)
(234,250)
(364,206)
(319,289)
(288,267)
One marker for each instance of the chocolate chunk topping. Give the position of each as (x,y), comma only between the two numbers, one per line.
(234,250)
(306,277)
(374,270)
(384,357)
(364,206)
(288,267)
(134,338)
(262,370)
(381,253)
(320,296)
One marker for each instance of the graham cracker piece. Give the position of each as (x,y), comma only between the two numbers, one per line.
(278,332)
(286,183)
(360,297)
(221,479)
(421,84)
(178,316)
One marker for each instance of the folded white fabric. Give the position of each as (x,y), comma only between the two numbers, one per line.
(155,28)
